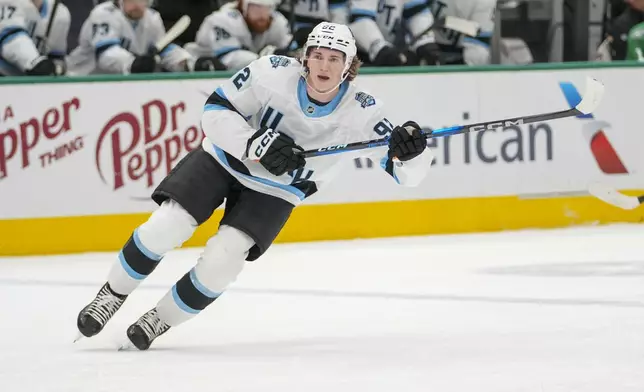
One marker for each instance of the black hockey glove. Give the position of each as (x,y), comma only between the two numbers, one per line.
(430,53)
(43,67)
(406,142)
(208,64)
(389,57)
(60,68)
(144,64)
(277,152)
(410,58)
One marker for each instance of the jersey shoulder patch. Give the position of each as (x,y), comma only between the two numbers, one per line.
(279,61)
(234,14)
(365,99)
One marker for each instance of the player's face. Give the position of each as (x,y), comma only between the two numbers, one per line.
(258,18)
(325,68)
(135,9)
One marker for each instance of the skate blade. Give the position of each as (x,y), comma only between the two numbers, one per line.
(127,346)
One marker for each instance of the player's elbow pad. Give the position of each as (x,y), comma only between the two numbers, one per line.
(18,49)
(114,59)
(227,130)
(174,57)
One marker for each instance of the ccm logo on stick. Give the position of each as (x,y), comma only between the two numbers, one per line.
(495,125)
(331,148)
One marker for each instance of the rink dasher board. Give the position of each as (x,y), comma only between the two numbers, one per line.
(79,160)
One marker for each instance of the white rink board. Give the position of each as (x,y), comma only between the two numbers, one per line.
(104,119)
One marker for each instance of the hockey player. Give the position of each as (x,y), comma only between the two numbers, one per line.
(383,29)
(616,45)
(459,49)
(238,32)
(310,13)
(255,125)
(118,37)
(635,43)
(24,49)
(466,50)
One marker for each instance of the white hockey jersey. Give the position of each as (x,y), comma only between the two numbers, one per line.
(225,35)
(475,49)
(22,34)
(309,13)
(271,92)
(376,23)
(109,41)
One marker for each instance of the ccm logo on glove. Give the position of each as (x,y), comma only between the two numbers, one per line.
(258,145)
(277,152)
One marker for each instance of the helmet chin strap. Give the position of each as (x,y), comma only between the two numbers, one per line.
(327,92)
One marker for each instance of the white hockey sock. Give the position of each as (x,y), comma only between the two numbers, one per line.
(167,228)
(219,265)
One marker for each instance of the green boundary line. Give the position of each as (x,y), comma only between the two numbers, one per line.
(364,71)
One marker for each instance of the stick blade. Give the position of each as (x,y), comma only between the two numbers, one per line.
(592,96)
(613,196)
(464,26)
(176,30)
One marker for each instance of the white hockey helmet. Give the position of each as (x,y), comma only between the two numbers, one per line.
(333,36)
(267,3)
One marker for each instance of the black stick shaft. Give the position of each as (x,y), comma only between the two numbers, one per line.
(50,23)
(441,132)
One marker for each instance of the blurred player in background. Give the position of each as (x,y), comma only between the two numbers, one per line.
(310,13)
(384,28)
(118,37)
(635,43)
(460,49)
(255,124)
(241,32)
(25,47)
(616,45)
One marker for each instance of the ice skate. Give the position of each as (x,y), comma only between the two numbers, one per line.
(147,328)
(93,317)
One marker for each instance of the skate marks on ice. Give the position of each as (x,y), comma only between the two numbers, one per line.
(537,270)
(627,269)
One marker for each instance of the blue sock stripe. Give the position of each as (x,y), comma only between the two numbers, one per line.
(202,289)
(147,252)
(182,305)
(133,274)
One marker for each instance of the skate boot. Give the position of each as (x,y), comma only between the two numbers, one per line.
(147,328)
(93,317)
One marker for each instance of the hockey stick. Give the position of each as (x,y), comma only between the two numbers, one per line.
(589,102)
(291,17)
(43,44)
(175,31)
(614,197)
(463,26)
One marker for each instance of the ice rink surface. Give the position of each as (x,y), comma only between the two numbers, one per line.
(542,311)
